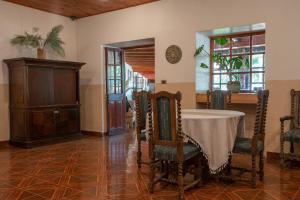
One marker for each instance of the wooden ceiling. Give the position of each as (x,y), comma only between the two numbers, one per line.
(79,8)
(142,60)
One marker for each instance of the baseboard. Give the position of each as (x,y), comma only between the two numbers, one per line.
(94,133)
(273,156)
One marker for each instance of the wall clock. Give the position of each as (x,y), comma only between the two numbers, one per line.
(173,54)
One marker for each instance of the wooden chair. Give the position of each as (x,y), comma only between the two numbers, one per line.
(141,103)
(254,145)
(293,134)
(218,99)
(166,142)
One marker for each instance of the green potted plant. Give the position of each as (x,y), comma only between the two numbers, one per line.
(225,63)
(36,41)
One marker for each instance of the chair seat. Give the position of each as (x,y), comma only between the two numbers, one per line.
(292,135)
(143,135)
(244,145)
(170,153)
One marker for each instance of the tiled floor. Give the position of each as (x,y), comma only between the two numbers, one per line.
(105,168)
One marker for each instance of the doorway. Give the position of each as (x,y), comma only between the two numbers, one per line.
(130,67)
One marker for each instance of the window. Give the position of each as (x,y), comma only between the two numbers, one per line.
(114,72)
(250,47)
(138,82)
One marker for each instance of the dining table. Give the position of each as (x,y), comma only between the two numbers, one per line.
(214,132)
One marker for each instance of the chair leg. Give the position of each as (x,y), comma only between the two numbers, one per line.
(254,170)
(261,165)
(166,169)
(292,147)
(229,165)
(139,154)
(180,181)
(200,170)
(152,175)
(281,152)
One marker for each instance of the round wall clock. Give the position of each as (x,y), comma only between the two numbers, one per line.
(173,54)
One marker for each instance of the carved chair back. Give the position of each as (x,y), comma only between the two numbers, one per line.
(166,108)
(218,99)
(295,108)
(142,99)
(261,113)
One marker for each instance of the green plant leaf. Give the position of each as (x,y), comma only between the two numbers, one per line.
(199,50)
(221,41)
(31,40)
(237,62)
(54,42)
(203,65)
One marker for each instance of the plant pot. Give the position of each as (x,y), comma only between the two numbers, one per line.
(41,54)
(234,86)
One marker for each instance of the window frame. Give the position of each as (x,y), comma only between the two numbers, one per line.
(250,54)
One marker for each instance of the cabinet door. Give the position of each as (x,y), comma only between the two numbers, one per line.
(42,123)
(68,121)
(40,84)
(65,86)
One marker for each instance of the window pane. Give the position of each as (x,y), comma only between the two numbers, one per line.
(258,61)
(222,49)
(246,63)
(118,86)
(244,80)
(118,72)
(110,58)
(224,87)
(257,77)
(240,45)
(216,78)
(111,86)
(258,43)
(118,58)
(110,72)
(224,78)
(217,67)
(216,87)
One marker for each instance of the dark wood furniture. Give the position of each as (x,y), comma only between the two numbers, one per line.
(167,149)
(293,134)
(218,99)
(142,100)
(44,100)
(255,145)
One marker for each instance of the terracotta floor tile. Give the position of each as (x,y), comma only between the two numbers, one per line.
(105,168)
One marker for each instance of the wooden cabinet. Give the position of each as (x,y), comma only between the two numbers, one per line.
(44,100)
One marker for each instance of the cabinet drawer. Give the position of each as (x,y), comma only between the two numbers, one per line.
(41,123)
(68,121)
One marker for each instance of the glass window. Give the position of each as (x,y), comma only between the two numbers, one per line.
(251,49)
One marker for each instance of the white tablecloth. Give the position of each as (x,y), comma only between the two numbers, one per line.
(215,132)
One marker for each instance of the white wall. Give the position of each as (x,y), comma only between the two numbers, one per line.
(177,21)
(15,19)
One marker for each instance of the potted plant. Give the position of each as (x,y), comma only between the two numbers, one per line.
(36,41)
(225,63)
